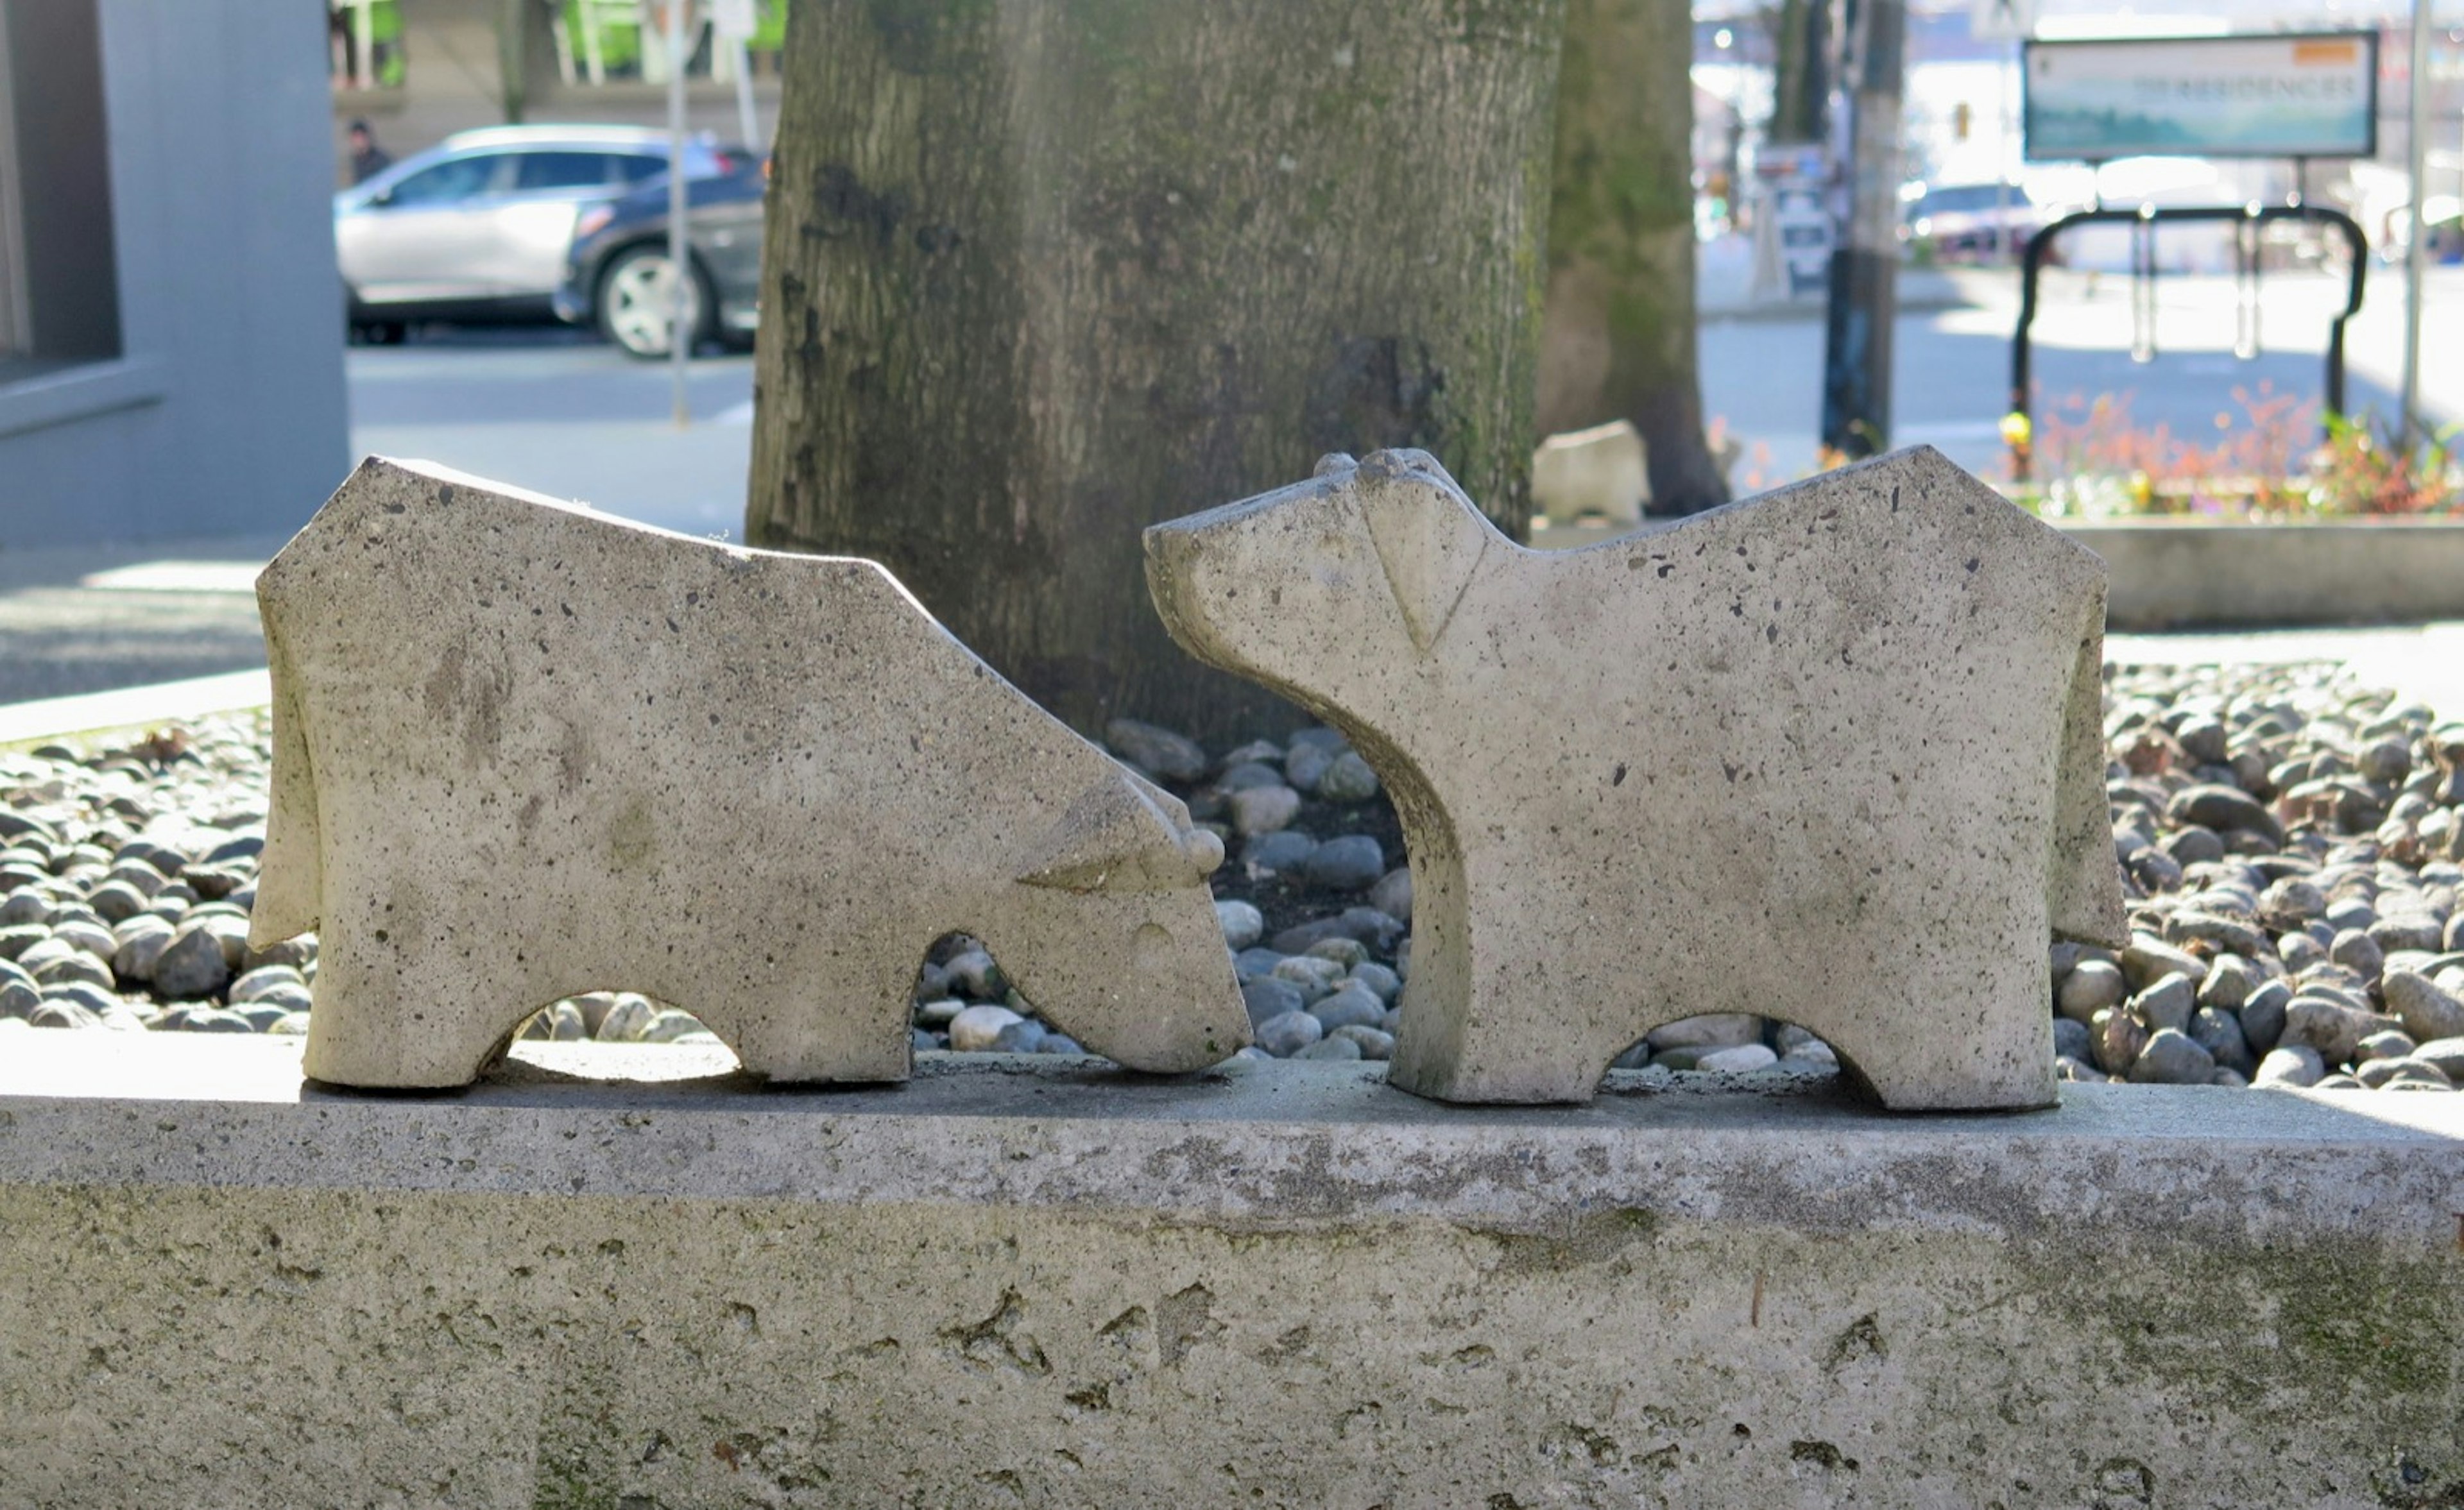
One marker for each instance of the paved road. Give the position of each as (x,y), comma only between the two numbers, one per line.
(556,412)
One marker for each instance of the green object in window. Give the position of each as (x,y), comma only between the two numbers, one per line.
(770,33)
(620,35)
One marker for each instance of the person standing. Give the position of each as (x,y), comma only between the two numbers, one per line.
(367,159)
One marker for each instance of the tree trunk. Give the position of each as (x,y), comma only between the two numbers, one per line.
(1618,341)
(1800,32)
(1040,272)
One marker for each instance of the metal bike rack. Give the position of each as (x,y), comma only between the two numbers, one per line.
(2246,222)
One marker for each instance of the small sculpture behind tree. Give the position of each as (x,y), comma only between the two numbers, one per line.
(523,751)
(1832,756)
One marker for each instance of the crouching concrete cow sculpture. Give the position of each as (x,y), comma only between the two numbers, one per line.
(523,751)
(1831,755)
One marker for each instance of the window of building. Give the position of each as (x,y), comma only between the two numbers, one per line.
(59,285)
(625,41)
(363,43)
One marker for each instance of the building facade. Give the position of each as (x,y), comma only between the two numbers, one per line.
(170,316)
(417,70)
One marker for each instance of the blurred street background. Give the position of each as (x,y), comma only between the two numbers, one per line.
(562,413)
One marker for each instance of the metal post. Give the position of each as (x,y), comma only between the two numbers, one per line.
(747,118)
(2006,241)
(1864,267)
(512,61)
(2246,274)
(2416,251)
(680,270)
(2143,286)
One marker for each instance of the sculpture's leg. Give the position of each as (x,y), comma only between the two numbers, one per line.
(2002,1063)
(843,1018)
(1486,1061)
(381,1024)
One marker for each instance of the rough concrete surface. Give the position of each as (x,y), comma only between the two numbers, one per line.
(1014,1282)
(1831,755)
(523,751)
(2167,575)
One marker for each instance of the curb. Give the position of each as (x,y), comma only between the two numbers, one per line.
(1780,311)
(133,708)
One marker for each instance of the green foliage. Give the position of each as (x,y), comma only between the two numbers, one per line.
(2366,470)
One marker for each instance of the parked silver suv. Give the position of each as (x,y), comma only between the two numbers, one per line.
(477,227)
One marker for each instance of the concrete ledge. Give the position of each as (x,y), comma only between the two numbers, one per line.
(133,708)
(80,392)
(1029,1282)
(2171,575)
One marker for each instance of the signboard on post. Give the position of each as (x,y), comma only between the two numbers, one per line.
(2288,95)
(1793,227)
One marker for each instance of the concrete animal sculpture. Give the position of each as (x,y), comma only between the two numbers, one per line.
(522,750)
(1831,755)
(1599,470)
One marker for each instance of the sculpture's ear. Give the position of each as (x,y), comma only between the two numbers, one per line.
(1429,537)
(289,882)
(1114,838)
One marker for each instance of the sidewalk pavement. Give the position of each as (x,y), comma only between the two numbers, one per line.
(93,619)
(1724,275)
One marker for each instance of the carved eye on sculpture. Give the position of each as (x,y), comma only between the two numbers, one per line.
(1114,838)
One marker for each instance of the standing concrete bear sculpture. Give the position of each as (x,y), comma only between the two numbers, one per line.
(523,751)
(1831,755)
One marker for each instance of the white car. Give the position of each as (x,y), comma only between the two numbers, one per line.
(478,226)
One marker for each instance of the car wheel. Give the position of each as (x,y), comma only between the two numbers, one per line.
(633,309)
(379,332)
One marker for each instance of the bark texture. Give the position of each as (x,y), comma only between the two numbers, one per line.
(1620,330)
(1800,35)
(1040,272)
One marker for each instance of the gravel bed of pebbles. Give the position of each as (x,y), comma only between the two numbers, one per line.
(2291,847)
